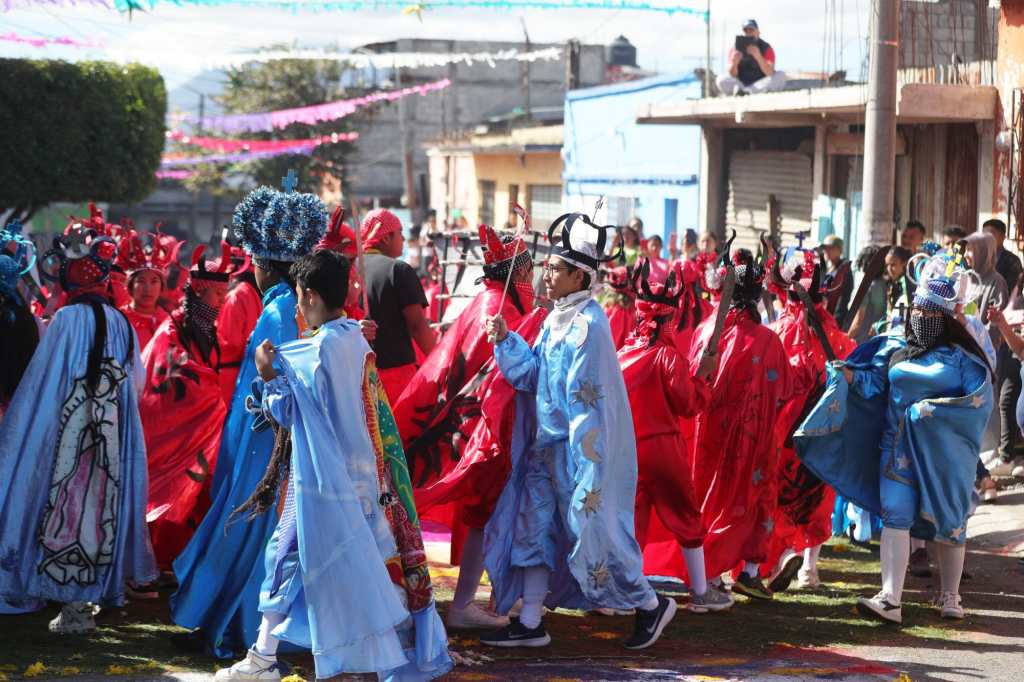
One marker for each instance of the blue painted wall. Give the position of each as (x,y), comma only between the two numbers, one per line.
(605,152)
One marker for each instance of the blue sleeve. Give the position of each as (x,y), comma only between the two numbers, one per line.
(972,375)
(871,373)
(278,400)
(518,362)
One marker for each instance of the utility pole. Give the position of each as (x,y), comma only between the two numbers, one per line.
(707,52)
(404,134)
(572,65)
(876,221)
(525,71)
(193,221)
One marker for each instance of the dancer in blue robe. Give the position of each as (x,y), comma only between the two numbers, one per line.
(73,494)
(346,568)
(220,571)
(898,433)
(562,533)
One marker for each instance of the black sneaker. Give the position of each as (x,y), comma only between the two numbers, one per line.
(919,565)
(516,634)
(784,578)
(649,624)
(751,587)
(191,642)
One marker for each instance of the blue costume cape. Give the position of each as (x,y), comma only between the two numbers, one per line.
(918,423)
(73,490)
(327,567)
(220,571)
(570,498)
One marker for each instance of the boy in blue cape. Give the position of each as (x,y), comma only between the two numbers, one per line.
(346,570)
(562,533)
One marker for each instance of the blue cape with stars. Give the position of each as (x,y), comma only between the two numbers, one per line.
(924,416)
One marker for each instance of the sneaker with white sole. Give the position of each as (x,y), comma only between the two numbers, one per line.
(1018,471)
(881,607)
(515,634)
(473,617)
(782,577)
(650,624)
(808,580)
(711,600)
(1004,469)
(74,619)
(949,606)
(990,458)
(252,667)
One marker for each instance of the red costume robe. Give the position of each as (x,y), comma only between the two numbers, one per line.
(661,391)
(736,451)
(183,413)
(235,322)
(145,326)
(455,417)
(803,517)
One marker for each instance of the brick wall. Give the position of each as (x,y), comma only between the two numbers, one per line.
(931,33)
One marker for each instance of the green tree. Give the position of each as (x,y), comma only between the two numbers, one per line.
(78,132)
(282,84)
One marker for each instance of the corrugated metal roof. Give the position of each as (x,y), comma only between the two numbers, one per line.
(754,176)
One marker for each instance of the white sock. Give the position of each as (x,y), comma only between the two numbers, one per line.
(535,591)
(916,544)
(694,558)
(751,568)
(811,559)
(651,603)
(471,568)
(951,565)
(266,643)
(895,555)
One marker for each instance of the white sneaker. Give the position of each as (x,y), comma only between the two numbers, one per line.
(252,667)
(880,607)
(73,619)
(1018,471)
(808,580)
(990,457)
(712,600)
(473,617)
(1004,469)
(949,606)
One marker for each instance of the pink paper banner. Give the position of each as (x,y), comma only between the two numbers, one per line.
(226,144)
(176,160)
(41,41)
(318,113)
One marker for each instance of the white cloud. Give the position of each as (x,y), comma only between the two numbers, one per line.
(176,39)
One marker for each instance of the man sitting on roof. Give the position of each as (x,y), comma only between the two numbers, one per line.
(752,68)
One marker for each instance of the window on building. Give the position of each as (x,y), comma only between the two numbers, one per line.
(513,198)
(545,204)
(620,209)
(487,188)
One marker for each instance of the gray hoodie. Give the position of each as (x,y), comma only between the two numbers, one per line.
(991,291)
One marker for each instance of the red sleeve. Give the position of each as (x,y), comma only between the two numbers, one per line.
(686,395)
(769,55)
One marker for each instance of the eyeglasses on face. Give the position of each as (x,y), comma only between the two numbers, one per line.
(550,269)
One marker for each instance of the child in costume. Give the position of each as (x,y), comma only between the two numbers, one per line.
(898,432)
(562,532)
(661,391)
(183,410)
(19,330)
(73,494)
(221,569)
(146,266)
(360,595)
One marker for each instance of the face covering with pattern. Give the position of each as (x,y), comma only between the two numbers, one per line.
(927,329)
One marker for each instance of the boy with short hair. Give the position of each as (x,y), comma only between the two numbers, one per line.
(361,592)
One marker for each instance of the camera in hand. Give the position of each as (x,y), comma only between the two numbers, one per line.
(743,42)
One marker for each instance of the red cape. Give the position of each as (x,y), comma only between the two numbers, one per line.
(803,517)
(452,416)
(621,319)
(235,322)
(735,456)
(145,326)
(661,394)
(182,413)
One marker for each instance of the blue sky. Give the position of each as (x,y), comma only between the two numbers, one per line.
(175,39)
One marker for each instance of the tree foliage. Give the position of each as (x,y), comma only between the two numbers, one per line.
(78,132)
(283,84)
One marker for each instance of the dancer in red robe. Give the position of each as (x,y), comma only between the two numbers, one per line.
(456,417)
(735,457)
(183,409)
(661,391)
(236,320)
(618,304)
(145,259)
(803,518)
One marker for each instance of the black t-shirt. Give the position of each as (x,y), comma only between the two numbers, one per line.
(391,286)
(749,71)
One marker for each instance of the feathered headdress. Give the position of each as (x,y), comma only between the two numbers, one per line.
(17,256)
(279,226)
(581,241)
(502,254)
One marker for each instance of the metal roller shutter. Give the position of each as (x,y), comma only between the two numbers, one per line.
(756,175)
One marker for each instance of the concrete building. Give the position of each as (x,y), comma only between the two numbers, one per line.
(397,133)
(647,172)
